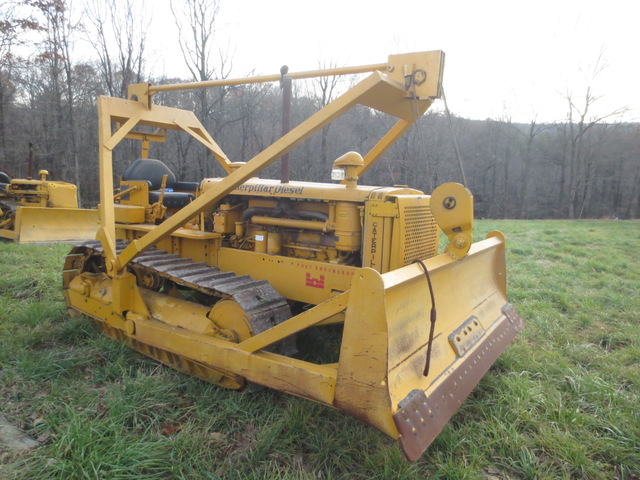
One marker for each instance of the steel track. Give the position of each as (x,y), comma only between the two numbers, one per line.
(264,306)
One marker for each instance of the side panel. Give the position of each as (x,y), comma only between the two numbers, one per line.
(294,278)
(194,244)
(62,195)
(397,231)
(415,233)
(378,224)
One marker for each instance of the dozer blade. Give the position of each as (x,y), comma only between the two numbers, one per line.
(381,374)
(47,225)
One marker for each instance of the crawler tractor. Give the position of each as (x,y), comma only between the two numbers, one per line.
(43,211)
(217,278)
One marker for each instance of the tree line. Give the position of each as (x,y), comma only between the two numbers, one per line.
(581,167)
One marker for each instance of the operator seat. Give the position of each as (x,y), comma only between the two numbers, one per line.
(177,194)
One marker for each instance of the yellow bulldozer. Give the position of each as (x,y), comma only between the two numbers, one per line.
(217,278)
(43,211)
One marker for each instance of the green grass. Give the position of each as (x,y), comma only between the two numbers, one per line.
(561,402)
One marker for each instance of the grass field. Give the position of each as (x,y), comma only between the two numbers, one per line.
(562,401)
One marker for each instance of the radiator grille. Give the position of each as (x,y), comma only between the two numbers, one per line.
(420,233)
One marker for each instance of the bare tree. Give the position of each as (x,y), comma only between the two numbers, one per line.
(57,56)
(118,36)
(527,159)
(16,19)
(196,21)
(579,122)
(119,39)
(579,169)
(324,92)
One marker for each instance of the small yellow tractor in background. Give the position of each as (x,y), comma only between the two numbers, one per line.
(216,278)
(43,211)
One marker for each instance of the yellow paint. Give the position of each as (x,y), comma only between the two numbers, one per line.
(452,205)
(47,211)
(346,250)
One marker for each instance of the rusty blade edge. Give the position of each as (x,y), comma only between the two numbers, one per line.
(422,417)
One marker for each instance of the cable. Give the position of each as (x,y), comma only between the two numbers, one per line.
(432,317)
(453,137)
(422,149)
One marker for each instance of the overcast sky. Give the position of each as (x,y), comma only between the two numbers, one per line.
(512,59)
